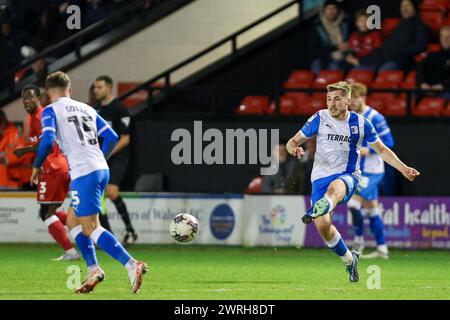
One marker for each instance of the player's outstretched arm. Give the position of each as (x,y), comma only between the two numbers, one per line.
(391,158)
(293,145)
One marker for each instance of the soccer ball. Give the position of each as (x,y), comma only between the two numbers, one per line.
(184,227)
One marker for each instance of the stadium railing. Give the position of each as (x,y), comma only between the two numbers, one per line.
(82,47)
(166,76)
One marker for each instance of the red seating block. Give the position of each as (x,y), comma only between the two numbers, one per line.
(325,77)
(254,105)
(388,79)
(363,76)
(312,104)
(435,19)
(388,25)
(434,5)
(446,111)
(376,103)
(395,106)
(288,104)
(299,79)
(430,107)
(382,95)
(255,186)
(410,81)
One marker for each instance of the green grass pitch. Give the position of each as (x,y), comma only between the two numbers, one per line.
(182,272)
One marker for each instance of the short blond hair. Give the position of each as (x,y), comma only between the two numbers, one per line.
(57,79)
(359,89)
(341,85)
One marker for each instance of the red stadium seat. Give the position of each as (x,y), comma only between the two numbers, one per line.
(435,19)
(395,106)
(388,79)
(388,25)
(299,79)
(410,81)
(383,96)
(255,186)
(363,76)
(19,75)
(254,105)
(320,96)
(376,103)
(325,77)
(430,107)
(434,5)
(446,111)
(288,104)
(312,104)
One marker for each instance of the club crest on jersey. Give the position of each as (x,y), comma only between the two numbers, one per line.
(354,129)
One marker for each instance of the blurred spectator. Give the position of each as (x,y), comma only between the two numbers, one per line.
(408,39)
(6,131)
(328,39)
(24,15)
(40,70)
(45,32)
(28,27)
(289,179)
(33,74)
(13,172)
(11,42)
(433,73)
(94,10)
(362,42)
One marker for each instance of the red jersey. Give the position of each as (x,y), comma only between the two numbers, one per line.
(364,43)
(56,161)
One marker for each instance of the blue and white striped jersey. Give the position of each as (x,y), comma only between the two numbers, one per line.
(338,143)
(373,163)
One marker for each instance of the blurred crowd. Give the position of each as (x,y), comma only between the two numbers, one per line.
(29,26)
(14,172)
(344,41)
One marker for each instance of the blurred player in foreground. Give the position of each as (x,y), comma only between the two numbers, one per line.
(365,200)
(53,185)
(77,127)
(340,135)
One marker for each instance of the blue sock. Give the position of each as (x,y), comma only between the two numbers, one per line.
(358,221)
(377,227)
(337,244)
(108,243)
(85,245)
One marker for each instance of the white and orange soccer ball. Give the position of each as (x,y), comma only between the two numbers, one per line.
(184,227)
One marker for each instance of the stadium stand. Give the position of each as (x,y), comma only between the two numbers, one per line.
(46,38)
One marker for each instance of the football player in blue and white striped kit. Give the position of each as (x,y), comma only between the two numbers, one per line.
(340,135)
(77,127)
(365,200)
